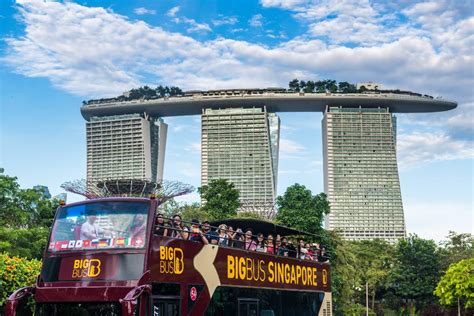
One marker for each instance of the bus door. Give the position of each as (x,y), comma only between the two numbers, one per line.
(166,306)
(248,307)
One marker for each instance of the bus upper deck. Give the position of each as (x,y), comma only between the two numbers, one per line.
(104,258)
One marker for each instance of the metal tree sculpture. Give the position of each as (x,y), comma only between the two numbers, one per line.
(163,190)
(265,208)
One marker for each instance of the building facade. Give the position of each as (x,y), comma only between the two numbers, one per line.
(130,146)
(361,173)
(241,145)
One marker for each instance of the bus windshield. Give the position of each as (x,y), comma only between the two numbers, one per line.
(100,225)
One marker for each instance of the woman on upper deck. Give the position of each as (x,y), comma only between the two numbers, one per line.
(161,228)
(261,245)
(223,235)
(270,245)
(249,242)
(178,230)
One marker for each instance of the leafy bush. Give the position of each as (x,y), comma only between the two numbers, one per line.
(16,273)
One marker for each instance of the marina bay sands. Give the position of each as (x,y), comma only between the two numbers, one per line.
(240,135)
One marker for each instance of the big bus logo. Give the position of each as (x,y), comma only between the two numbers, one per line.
(171,260)
(86,268)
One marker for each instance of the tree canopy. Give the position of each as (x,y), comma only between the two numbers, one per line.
(415,271)
(300,209)
(457,283)
(25,218)
(221,199)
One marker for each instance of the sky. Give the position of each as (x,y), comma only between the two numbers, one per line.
(54,54)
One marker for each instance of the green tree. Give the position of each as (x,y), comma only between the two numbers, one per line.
(310,86)
(249,215)
(302,85)
(294,85)
(344,280)
(415,272)
(320,86)
(457,284)
(25,218)
(192,211)
(300,209)
(456,248)
(222,199)
(374,262)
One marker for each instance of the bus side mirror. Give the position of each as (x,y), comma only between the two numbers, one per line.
(17,303)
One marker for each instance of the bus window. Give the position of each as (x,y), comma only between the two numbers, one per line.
(166,306)
(106,225)
(248,307)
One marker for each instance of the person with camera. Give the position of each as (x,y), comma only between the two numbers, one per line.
(196,233)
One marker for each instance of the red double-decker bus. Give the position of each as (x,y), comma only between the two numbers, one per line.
(104,259)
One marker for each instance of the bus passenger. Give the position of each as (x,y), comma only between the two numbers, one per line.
(161,228)
(222,235)
(196,233)
(302,251)
(323,257)
(261,245)
(270,245)
(249,242)
(209,234)
(239,239)
(137,227)
(230,236)
(178,230)
(282,249)
(90,230)
(291,249)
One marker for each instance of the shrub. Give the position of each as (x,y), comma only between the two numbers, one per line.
(16,273)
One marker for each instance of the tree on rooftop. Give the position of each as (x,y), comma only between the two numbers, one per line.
(294,85)
(310,86)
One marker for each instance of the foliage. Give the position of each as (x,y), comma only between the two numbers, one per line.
(300,209)
(192,211)
(222,199)
(294,85)
(25,218)
(343,273)
(374,262)
(457,283)
(144,92)
(415,272)
(15,273)
(23,208)
(250,215)
(24,242)
(456,248)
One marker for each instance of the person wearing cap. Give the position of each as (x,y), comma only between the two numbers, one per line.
(196,233)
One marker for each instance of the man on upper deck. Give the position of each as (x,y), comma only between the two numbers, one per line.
(90,230)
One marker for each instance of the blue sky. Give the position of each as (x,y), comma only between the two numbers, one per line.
(56,54)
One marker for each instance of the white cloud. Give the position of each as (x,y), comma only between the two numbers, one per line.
(88,51)
(435,220)
(418,148)
(225,20)
(194,147)
(290,147)
(172,12)
(143,11)
(256,20)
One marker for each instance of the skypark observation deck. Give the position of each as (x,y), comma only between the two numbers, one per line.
(193,103)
